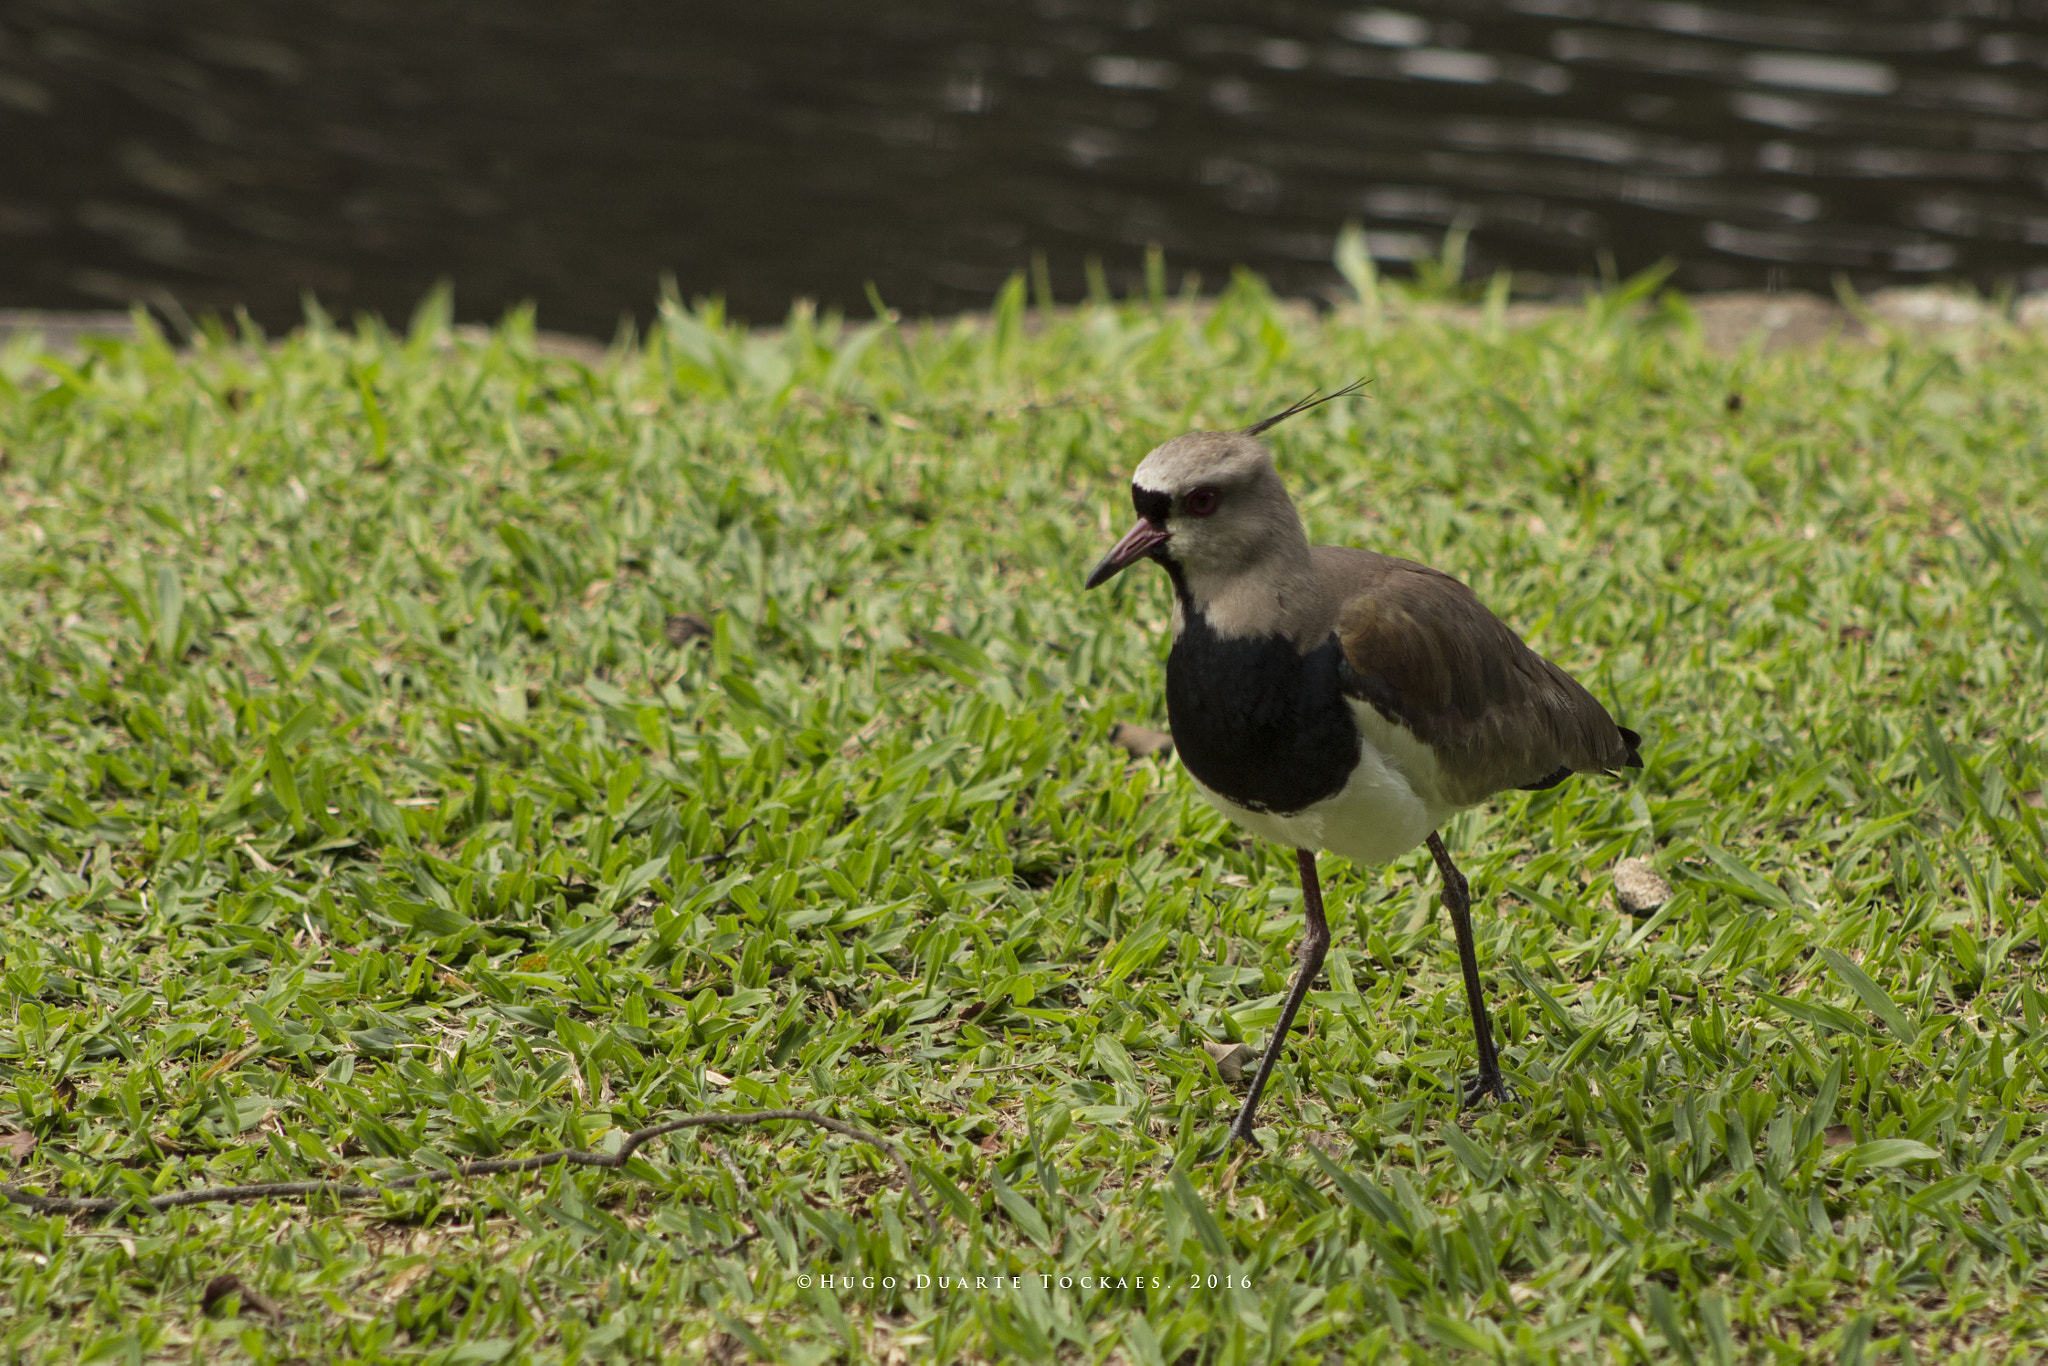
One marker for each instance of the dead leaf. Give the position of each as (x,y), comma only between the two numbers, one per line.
(683,627)
(991,1144)
(723,1349)
(406,1278)
(252,1301)
(1229,1058)
(861,738)
(1139,742)
(228,1063)
(263,865)
(1837,1136)
(17,1146)
(1637,887)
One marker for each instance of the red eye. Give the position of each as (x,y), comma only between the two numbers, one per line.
(1200,503)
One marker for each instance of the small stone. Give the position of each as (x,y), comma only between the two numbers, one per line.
(1139,742)
(1229,1058)
(1637,887)
(684,627)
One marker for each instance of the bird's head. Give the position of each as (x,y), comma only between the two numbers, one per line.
(1210,505)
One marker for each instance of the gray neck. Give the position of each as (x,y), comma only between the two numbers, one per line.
(1277,594)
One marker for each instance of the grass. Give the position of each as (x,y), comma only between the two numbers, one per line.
(358,817)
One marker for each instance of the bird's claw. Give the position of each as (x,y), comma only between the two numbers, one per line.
(1478,1087)
(1222,1151)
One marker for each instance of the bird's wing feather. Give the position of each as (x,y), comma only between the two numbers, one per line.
(1427,654)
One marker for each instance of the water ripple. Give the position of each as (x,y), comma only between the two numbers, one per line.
(222,153)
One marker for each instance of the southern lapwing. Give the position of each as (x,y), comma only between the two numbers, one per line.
(1325,697)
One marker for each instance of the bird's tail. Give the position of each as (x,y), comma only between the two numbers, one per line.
(1635,745)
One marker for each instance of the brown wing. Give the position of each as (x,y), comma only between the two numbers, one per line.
(1425,652)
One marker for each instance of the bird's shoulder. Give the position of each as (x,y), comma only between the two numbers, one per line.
(1421,648)
(1349,571)
(1411,630)
(1389,603)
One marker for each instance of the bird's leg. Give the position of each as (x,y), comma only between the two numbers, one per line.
(1314,945)
(1458,901)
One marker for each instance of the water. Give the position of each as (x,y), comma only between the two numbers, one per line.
(572,152)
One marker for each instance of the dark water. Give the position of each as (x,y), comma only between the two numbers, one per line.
(222,152)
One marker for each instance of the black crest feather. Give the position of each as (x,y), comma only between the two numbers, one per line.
(1315,399)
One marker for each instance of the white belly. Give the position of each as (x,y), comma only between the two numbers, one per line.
(1389,806)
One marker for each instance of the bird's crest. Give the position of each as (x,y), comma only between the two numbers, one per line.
(1315,399)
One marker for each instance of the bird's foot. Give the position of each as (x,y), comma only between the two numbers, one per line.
(1483,1084)
(1224,1151)
(1241,1132)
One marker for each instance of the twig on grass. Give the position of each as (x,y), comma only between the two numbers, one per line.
(749,1236)
(574,1157)
(721,855)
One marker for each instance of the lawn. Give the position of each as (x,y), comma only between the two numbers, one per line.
(418,749)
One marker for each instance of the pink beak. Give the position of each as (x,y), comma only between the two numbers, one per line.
(1140,541)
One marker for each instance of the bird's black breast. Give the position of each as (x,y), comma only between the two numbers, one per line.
(1257,720)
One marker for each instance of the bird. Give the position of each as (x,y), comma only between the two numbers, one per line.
(1331,698)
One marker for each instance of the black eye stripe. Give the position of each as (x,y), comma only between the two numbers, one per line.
(1151,506)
